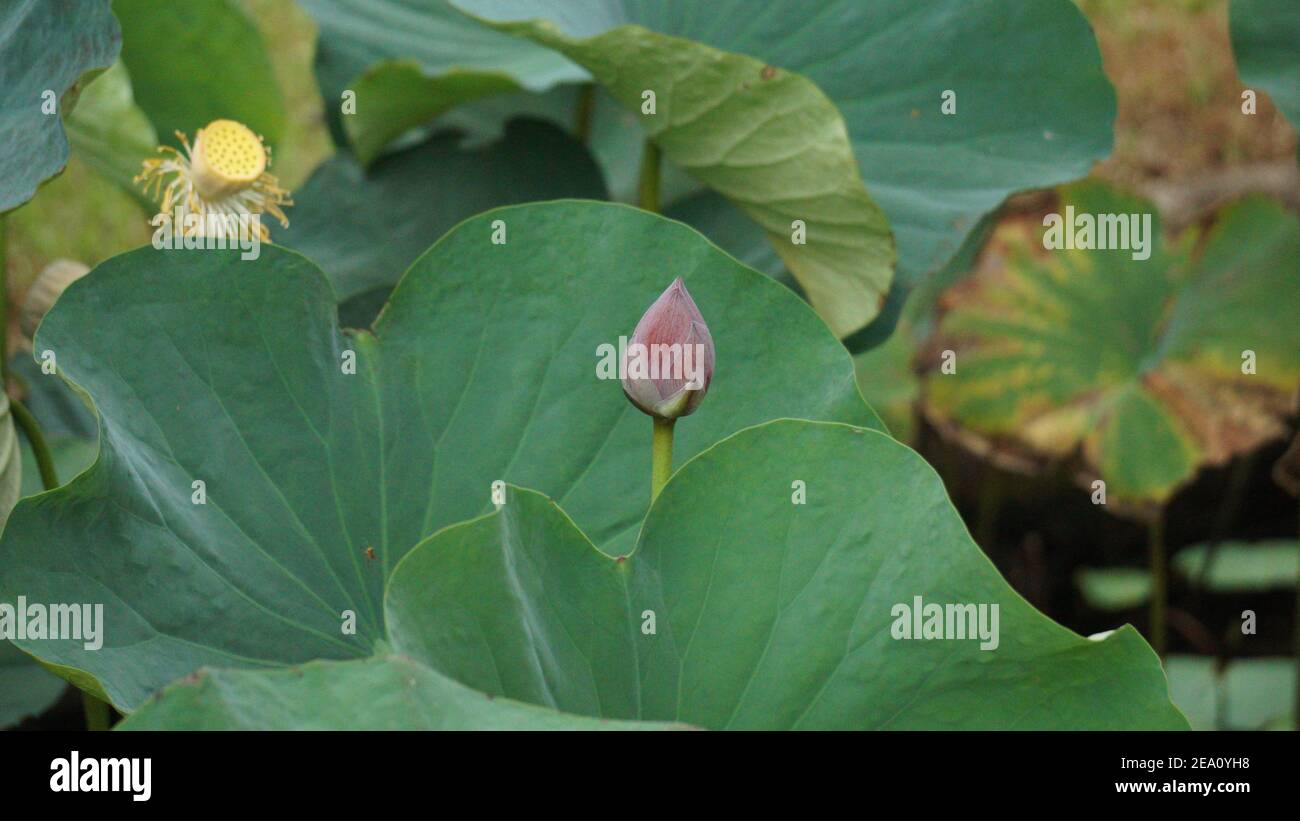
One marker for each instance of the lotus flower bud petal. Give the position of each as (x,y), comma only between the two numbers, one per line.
(668,364)
(47,287)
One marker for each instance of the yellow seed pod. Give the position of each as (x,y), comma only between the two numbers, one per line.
(227,158)
(45,289)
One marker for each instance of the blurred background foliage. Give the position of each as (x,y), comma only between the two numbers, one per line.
(1183,150)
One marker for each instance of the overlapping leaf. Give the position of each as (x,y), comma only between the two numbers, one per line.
(889,65)
(110,132)
(886,65)
(198,61)
(366,226)
(1140,364)
(405,61)
(482,368)
(767,139)
(382,693)
(47,47)
(738,609)
(771,142)
(768,613)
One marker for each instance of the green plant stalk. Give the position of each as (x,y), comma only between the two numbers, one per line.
(1159,583)
(661,455)
(32,429)
(586,110)
(98,716)
(647,188)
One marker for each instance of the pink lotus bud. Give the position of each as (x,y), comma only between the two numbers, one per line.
(668,364)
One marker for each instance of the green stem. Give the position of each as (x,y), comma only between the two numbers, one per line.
(98,716)
(647,188)
(32,429)
(661,455)
(1159,583)
(586,110)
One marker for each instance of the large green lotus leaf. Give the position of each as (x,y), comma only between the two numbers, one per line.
(110,132)
(1264,38)
(1136,363)
(482,367)
(198,61)
(366,226)
(768,614)
(1034,107)
(1237,567)
(381,693)
(45,46)
(769,140)
(409,60)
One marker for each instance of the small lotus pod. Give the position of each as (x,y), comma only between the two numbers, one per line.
(227,158)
